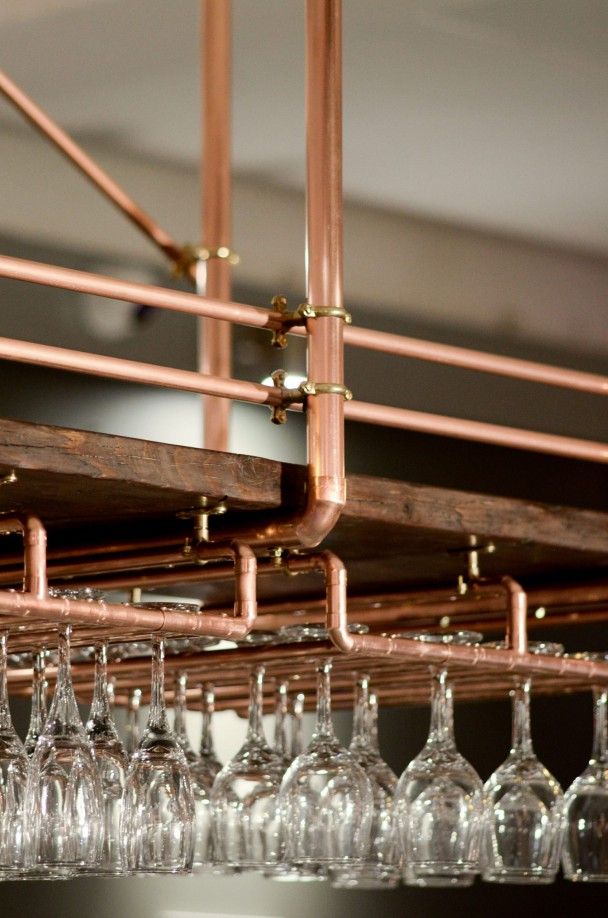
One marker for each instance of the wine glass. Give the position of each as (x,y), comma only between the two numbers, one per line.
(585,843)
(13,778)
(199,778)
(523,810)
(439,798)
(326,797)
(208,762)
(112,761)
(38,709)
(244,797)
(158,805)
(133,725)
(64,806)
(381,867)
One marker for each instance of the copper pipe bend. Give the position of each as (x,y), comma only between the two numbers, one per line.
(34,551)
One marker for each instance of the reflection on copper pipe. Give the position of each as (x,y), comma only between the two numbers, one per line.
(441,425)
(403,346)
(213,277)
(158,297)
(133,371)
(70,149)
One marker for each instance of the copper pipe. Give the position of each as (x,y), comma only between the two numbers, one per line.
(505,661)
(213,276)
(158,297)
(517,616)
(34,551)
(29,606)
(326,484)
(133,371)
(497,435)
(90,169)
(467,359)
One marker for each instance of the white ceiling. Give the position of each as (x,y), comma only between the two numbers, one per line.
(491,113)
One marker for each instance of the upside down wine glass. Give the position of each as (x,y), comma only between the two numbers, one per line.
(13,777)
(112,762)
(381,866)
(523,804)
(585,845)
(326,797)
(38,709)
(158,808)
(64,807)
(208,762)
(439,799)
(199,778)
(244,797)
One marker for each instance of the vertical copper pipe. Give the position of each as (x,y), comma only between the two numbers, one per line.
(517,616)
(213,276)
(34,551)
(324,266)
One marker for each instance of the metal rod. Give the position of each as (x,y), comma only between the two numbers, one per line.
(495,434)
(60,358)
(467,359)
(89,168)
(34,272)
(213,276)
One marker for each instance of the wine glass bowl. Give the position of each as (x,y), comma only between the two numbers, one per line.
(64,806)
(523,808)
(439,798)
(158,804)
(326,797)
(585,841)
(244,797)
(112,761)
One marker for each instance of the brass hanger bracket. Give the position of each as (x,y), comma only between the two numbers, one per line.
(300,316)
(190,254)
(304,390)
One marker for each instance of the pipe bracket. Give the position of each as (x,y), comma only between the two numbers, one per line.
(191,254)
(300,316)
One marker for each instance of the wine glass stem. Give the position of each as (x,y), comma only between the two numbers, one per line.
(600,725)
(157,719)
(442,708)
(360,732)
(522,736)
(5,715)
(324,725)
(281,744)
(256,704)
(100,708)
(208,700)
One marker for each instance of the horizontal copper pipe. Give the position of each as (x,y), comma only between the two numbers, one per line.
(145,294)
(89,168)
(133,371)
(495,434)
(467,359)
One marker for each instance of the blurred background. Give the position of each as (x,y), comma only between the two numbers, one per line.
(475,139)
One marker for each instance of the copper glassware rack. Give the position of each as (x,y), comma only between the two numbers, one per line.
(222,522)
